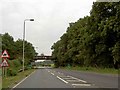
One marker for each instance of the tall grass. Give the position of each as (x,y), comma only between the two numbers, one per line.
(94,69)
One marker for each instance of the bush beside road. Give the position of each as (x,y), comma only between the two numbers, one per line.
(10,81)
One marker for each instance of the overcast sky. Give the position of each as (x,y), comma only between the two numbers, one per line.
(52,17)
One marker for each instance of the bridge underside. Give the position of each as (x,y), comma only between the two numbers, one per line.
(42,61)
(43,58)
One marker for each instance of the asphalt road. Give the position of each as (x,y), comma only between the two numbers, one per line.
(98,80)
(42,78)
(59,78)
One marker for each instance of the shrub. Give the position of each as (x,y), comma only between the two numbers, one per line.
(11,72)
(16,63)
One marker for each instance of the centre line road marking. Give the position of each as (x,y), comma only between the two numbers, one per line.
(52,73)
(78,79)
(62,79)
(22,80)
(81,84)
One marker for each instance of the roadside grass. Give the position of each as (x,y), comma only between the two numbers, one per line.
(52,65)
(10,81)
(0,82)
(93,69)
(0,71)
(0,78)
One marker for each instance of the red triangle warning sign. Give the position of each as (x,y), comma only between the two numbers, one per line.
(5,63)
(5,54)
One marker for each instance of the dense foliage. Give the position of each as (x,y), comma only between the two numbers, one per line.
(15,50)
(93,40)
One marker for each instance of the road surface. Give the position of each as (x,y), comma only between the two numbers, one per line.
(59,78)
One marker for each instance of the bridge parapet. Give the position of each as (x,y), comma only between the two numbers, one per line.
(43,58)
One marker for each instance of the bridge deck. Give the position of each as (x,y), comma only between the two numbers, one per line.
(42,57)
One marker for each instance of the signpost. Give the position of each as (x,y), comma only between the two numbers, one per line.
(5,54)
(4,63)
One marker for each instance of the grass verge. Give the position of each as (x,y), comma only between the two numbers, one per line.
(93,69)
(0,78)
(9,82)
(0,82)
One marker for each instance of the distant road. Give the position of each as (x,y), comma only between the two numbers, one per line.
(59,78)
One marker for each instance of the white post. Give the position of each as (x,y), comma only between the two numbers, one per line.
(23,44)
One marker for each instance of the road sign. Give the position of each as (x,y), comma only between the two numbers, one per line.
(5,54)
(4,63)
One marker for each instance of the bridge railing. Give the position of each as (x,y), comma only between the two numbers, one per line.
(43,58)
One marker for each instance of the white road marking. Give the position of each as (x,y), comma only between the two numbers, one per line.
(48,71)
(78,79)
(81,80)
(62,79)
(66,78)
(73,80)
(58,72)
(81,84)
(22,80)
(52,73)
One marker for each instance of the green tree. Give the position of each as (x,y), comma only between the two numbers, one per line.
(92,40)
(8,44)
(15,48)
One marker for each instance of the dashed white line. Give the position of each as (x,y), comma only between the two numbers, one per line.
(52,73)
(48,71)
(62,79)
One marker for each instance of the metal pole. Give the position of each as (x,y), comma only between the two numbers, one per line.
(2,71)
(23,44)
(5,71)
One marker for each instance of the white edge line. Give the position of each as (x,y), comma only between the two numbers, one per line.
(22,80)
(62,79)
(52,73)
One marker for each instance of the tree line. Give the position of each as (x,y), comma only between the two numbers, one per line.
(93,40)
(15,50)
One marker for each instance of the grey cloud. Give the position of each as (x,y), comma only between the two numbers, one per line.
(52,17)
